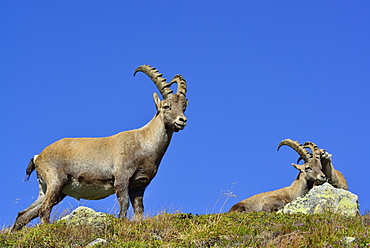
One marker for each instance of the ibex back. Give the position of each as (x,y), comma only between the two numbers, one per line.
(124,164)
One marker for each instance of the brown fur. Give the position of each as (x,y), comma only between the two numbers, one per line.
(94,168)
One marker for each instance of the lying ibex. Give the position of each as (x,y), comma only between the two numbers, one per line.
(333,176)
(125,163)
(310,172)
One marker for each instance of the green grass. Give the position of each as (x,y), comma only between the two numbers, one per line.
(213,230)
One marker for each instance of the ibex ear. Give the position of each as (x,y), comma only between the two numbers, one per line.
(157,100)
(298,166)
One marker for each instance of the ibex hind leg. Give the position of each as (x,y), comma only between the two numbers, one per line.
(53,197)
(28,214)
(55,182)
(238,207)
(273,207)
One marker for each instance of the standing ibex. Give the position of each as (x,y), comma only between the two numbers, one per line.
(310,172)
(334,177)
(125,163)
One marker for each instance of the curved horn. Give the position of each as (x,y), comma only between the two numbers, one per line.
(181,84)
(156,77)
(303,153)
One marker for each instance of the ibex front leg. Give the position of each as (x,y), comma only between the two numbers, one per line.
(121,184)
(136,198)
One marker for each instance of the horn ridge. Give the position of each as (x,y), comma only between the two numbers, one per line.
(181,84)
(313,147)
(156,77)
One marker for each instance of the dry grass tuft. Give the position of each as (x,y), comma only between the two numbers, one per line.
(212,230)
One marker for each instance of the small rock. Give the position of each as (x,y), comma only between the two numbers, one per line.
(347,241)
(97,241)
(85,215)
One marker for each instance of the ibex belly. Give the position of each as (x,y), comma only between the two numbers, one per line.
(89,189)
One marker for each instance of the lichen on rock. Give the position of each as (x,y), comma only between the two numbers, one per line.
(85,215)
(324,198)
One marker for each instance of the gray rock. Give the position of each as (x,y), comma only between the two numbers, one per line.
(324,198)
(97,241)
(85,215)
(348,241)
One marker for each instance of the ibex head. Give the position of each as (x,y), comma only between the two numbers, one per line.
(312,167)
(172,106)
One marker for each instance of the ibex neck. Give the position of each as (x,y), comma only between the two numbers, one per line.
(300,187)
(155,137)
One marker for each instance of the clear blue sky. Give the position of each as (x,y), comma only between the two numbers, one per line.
(257,73)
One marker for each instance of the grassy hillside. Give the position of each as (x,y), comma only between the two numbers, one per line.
(214,230)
